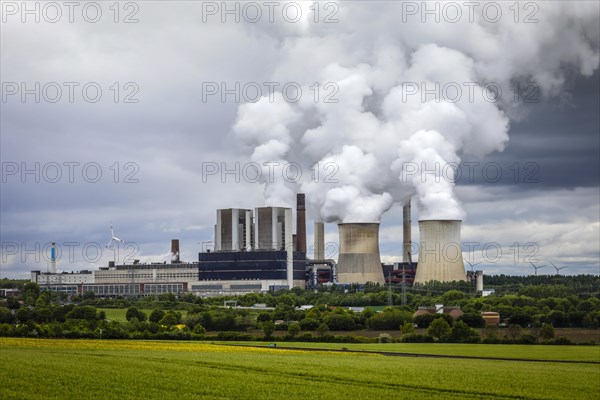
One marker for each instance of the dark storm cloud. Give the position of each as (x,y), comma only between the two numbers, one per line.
(556,146)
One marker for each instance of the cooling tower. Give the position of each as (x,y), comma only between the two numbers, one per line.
(359,260)
(440,255)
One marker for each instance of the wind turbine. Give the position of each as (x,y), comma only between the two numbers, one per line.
(557,268)
(536,268)
(113,238)
(472,264)
(208,243)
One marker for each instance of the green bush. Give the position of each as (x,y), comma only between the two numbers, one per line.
(156,316)
(561,340)
(424,320)
(309,324)
(439,329)
(339,322)
(390,319)
(306,337)
(385,338)
(199,330)
(462,333)
(294,329)
(234,336)
(81,312)
(546,332)
(473,320)
(526,339)
(416,338)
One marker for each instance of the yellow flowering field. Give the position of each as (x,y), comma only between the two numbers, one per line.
(134,369)
(147,345)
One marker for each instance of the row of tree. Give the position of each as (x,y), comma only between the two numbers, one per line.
(84,321)
(47,313)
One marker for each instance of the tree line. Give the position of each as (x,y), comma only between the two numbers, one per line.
(540,308)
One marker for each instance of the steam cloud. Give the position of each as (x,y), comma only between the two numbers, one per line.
(378,145)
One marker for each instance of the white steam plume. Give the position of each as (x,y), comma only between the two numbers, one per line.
(385,139)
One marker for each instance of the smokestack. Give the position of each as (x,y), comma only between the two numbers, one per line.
(53,258)
(440,255)
(174,251)
(300,223)
(479,281)
(359,260)
(319,241)
(406,233)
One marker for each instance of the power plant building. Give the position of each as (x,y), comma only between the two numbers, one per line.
(233,231)
(259,270)
(267,260)
(273,228)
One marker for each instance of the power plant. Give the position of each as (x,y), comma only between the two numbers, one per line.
(256,250)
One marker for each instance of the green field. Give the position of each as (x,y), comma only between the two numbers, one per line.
(530,352)
(128,369)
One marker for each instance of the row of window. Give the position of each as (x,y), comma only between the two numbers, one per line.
(112,289)
(164,288)
(139,276)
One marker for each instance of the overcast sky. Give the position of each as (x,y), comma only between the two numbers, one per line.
(157,124)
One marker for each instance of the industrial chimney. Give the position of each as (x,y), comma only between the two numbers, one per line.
(406,233)
(440,254)
(300,223)
(53,258)
(479,281)
(319,252)
(174,251)
(359,260)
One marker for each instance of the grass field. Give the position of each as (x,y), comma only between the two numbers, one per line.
(108,369)
(530,352)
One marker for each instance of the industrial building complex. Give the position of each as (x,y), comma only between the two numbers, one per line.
(255,250)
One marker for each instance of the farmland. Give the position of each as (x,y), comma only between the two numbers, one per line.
(109,369)
(512,351)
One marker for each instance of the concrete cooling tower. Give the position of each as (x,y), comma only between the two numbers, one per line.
(440,255)
(359,260)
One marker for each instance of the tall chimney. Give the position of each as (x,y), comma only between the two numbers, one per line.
(440,254)
(479,281)
(319,241)
(174,251)
(406,233)
(300,223)
(359,260)
(53,258)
